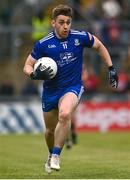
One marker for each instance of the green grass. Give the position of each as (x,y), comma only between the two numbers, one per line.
(96,156)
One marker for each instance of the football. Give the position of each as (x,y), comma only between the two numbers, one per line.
(45,63)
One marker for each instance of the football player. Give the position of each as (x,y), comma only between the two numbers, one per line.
(61,94)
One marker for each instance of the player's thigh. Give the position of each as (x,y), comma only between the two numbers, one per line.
(51,118)
(68,102)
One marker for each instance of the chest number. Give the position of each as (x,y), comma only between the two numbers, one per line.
(64,46)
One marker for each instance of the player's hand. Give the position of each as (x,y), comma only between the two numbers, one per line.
(42,73)
(113,78)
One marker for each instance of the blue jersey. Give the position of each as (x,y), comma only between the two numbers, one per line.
(67,53)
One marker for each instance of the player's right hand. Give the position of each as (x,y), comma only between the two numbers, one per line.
(113,77)
(42,73)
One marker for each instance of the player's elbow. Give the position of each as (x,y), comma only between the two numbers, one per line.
(24,69)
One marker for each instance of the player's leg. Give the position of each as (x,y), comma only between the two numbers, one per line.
(73,131)
(50,119)
(72,137)
(67,105)
(68,142)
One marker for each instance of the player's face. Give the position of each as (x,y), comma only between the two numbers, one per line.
(62,26)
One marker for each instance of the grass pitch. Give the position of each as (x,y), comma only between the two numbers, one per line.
(96,156)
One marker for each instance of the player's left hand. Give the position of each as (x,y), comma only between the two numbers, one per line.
(113,77)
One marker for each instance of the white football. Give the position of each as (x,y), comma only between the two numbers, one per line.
(46,62)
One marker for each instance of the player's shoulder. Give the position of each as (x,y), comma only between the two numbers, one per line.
(47,38)
(78,33)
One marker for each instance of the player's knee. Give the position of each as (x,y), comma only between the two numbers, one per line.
(64,116)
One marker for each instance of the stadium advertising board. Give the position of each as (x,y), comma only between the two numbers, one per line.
(103,116)
(21,117)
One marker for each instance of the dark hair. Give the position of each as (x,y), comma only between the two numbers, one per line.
(62,10)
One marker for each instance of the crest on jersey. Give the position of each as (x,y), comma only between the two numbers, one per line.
(76,42)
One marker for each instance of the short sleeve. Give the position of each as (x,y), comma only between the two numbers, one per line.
(87,41)
(36,54)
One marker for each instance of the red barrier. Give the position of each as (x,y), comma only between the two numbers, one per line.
(103,116)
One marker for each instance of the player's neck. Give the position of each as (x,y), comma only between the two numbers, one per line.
(57,35)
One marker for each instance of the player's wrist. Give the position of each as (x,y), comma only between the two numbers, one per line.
(32,75)
(111,67)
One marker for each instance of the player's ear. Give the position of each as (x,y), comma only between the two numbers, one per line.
(53,23)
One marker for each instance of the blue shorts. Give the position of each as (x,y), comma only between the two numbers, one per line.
(50,98)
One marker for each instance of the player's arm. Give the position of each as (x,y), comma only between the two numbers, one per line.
(103,52)
(28,66)
(39,73)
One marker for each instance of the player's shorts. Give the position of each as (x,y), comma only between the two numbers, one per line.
(50,98)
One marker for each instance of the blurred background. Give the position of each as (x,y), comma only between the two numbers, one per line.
(22,23)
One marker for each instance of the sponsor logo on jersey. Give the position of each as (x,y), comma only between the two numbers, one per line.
(66,58)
